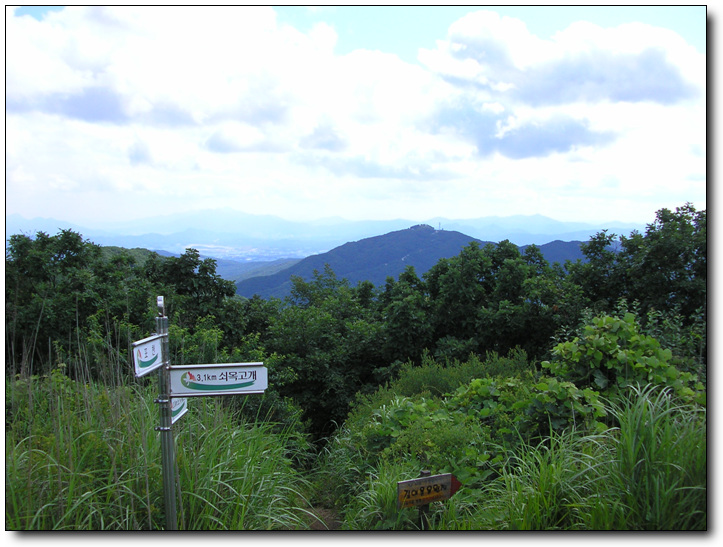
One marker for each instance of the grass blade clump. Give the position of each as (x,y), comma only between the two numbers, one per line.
(236,475)
(660,468)
(82,456)
(647,474)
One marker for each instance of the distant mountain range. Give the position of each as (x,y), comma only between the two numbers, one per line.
(376,258)
(233,235)
(260,254)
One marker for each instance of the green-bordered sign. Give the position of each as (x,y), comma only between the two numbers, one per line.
(147,354)
(179,407)
(228,379)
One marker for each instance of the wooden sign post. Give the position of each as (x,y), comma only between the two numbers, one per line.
(423,491)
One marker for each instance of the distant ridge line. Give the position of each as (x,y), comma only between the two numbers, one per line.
(229,234)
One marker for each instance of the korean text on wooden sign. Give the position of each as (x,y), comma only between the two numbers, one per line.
(425,490)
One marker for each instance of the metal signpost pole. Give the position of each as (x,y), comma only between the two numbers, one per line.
(168,456)
(177,383)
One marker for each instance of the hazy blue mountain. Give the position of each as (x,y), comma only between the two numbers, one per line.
(376,258)
(222,245)
(16,224)
(532,229)
(238,271)
(371,259)
(560,251)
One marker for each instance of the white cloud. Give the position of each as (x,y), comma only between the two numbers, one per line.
(492,39)
(32,64)
(139,153)
(235,137)
(228,104)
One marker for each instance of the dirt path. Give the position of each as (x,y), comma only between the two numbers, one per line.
(328,519)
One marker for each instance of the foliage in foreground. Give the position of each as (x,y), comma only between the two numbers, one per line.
(533,451)
(649,473)
(85,457)
(69,302)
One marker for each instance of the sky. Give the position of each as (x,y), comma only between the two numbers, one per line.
(575,113)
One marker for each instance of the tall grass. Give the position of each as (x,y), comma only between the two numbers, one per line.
(647,474)
(239,478)
(552,485)
(81,456)
(75,457)
(660,466)
(374,505)
(84,456)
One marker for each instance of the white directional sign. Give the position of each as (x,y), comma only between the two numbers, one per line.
(228,379)
(179,407)
(147,354)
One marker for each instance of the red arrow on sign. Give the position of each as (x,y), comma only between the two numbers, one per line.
(455,486)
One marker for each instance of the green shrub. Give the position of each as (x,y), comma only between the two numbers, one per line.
(444,442)
(435,377)
(525,408)
(497,403)
(533,453)
(613,355)
(555,406)
(686,339)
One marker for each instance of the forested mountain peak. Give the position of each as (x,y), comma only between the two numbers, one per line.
(376,258)
(370,259)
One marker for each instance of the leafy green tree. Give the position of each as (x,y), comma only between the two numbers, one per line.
(50,290)
(331,341)
(257,314)
(406,318)
(194,288)
(459,287)
(324,285)
(64,295)
(495,299)
(553,303)
(667,267)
